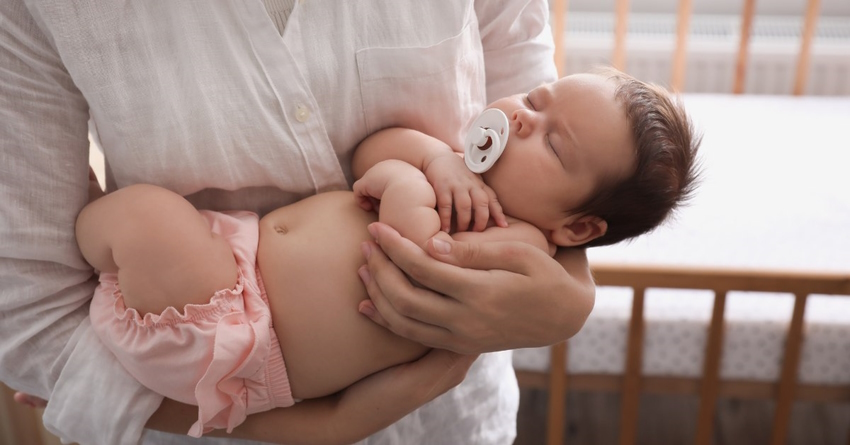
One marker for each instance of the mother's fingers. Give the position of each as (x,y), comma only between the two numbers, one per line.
(383,279)
(456,265)
(427,335)
(396,304)
(495,255)
(451,366)
(409,258)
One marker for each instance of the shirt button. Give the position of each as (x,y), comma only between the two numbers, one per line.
(302,113)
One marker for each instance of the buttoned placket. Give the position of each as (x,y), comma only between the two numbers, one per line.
(296,99)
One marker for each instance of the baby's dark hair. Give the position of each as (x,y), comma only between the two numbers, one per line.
(666,171)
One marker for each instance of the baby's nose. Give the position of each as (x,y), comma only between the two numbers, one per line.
(523,122)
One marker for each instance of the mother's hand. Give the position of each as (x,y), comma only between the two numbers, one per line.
(477,297)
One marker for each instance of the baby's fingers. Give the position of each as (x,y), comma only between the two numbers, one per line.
(444,209)
(481,206)
(463,209)
(496,211)
(362,196)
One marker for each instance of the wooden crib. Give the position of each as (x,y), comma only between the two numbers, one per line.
(709,387)
(717,278)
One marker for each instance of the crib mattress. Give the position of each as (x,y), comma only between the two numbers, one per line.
(775,194)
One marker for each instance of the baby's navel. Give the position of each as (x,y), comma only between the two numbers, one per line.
(283,230)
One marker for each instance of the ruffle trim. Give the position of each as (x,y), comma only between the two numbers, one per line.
(241,349)
(220,301)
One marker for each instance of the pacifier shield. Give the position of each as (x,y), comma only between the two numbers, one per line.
(486,140)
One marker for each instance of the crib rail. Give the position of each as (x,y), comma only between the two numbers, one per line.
(679,56)
(709,387)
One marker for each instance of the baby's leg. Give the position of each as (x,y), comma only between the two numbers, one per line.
(160,246)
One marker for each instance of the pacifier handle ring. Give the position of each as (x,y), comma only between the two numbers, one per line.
(489,133)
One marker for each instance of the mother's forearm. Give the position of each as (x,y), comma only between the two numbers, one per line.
(579,293)
(355,413)
(311,422)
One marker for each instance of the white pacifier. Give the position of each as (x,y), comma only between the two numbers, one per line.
(486,140)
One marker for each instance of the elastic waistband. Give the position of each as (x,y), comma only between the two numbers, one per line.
(279,390)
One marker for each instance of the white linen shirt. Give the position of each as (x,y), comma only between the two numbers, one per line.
(206,98)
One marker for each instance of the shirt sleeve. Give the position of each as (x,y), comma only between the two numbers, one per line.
(518,46)
(47,347)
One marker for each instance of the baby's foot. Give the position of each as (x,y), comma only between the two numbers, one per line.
(29,400)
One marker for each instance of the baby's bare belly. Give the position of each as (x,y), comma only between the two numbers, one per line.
(309,253)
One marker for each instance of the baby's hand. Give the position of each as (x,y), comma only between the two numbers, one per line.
(460,190)
(368,191)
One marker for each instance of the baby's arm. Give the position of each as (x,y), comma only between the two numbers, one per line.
(403,198)
(456,188)
(404,144)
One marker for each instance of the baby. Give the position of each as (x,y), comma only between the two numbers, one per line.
(237,314)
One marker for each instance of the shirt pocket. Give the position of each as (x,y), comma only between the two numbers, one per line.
(436,89)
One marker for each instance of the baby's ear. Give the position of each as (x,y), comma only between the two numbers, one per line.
(582,230)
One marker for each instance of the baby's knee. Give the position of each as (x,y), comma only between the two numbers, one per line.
(147,197)
(144,205)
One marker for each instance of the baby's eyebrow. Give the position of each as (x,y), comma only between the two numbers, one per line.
(542,90)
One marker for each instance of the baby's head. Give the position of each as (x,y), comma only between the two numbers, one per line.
(594,159)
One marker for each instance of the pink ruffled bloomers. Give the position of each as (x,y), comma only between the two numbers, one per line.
(222,356)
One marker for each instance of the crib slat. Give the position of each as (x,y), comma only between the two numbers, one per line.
(559,10)
(683,27)
(632,380)
(744,45)
(557,392)
(618,59)
(788,377)
(710,383)
(812,10)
